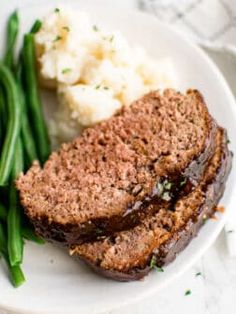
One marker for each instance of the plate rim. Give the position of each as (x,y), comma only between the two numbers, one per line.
(220,224)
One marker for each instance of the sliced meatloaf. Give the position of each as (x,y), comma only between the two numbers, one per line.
(105,179)
(129,255)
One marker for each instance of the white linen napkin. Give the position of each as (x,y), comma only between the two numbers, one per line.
(211,24)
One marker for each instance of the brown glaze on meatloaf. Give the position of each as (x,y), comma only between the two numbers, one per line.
(126,255)
(105,179)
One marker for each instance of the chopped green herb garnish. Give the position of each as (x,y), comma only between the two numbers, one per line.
(153,261)
(188,292)
(228,141)
(205,218)
(183,182)
(98,86)
(167,185)
(95,28)
(230,231)
(166,196)
(159,269)
(66,28)
(57,10)
(105,87)
(111,38)
(163,190)
(58,37)
(160,189)
(66,70)
(198,274)
(154,266)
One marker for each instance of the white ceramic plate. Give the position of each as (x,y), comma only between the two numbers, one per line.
(55,282)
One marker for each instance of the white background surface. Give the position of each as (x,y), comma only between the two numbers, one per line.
(215,290)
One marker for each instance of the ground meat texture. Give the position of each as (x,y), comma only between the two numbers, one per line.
(127,254)
(105,179)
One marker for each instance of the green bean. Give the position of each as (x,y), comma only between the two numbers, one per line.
(29,234)
(17,276)
(18,164)
(36,27)
(2,128)
(3,212)
(13,125)
(26,132)
(12,32)
(11,36)
(28,142)
(3,241)
(14,229)
(15,242)
(33,99)
(16,273)
(3,116)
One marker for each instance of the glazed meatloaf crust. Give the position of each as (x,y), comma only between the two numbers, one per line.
(129,255)
(104,180)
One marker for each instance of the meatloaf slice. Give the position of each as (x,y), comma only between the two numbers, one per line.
(105,179)
(129,255)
